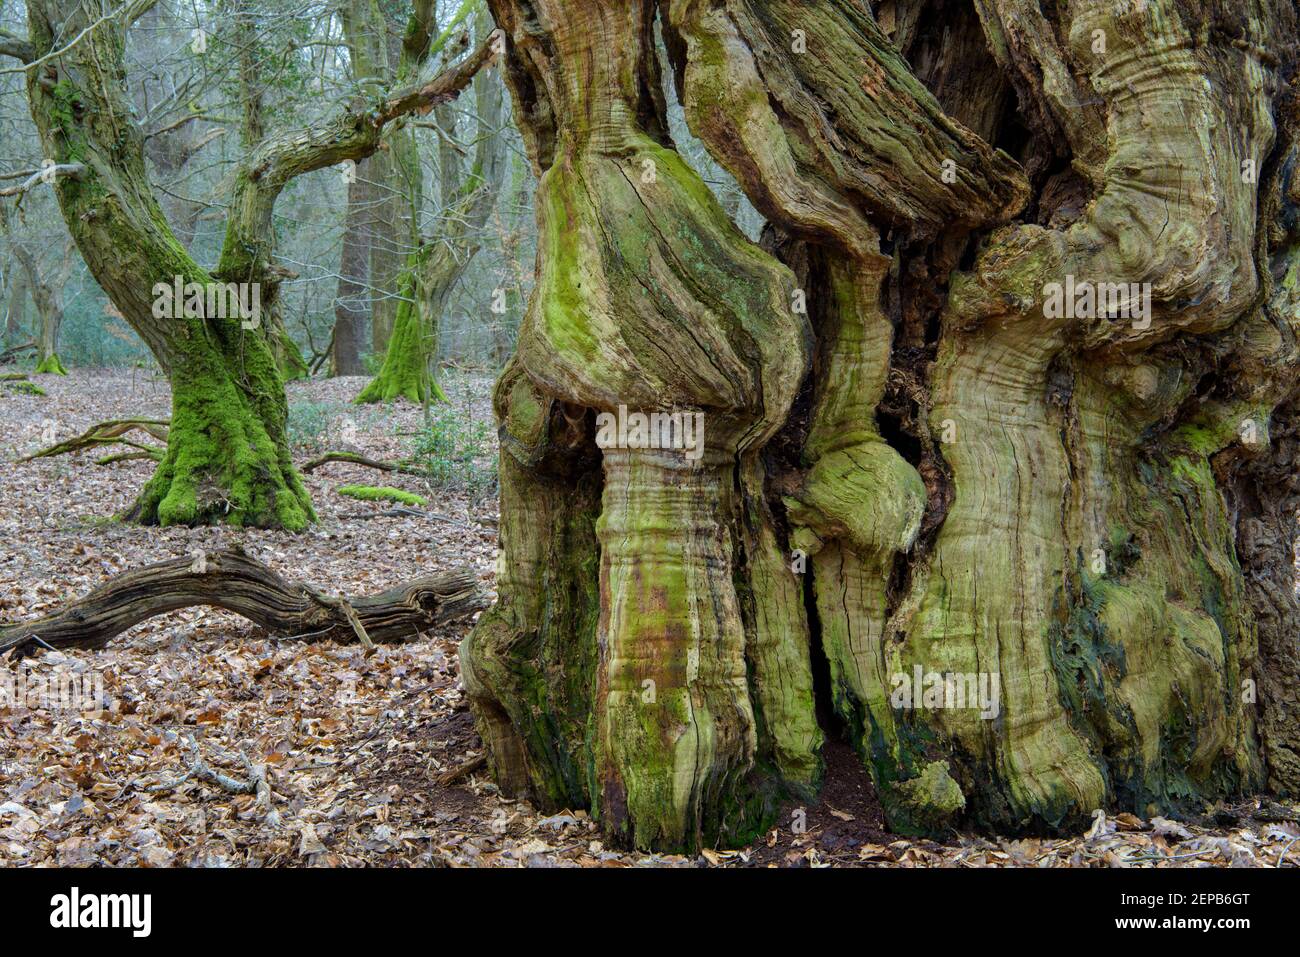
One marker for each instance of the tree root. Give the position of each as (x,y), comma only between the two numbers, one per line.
(114,430)
(452,775)
(234,581)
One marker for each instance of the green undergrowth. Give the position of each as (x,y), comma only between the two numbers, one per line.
(454,451)
(22,387)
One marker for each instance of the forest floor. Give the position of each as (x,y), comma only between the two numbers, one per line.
(354,746)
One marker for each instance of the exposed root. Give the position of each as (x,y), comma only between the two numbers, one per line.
(357,459)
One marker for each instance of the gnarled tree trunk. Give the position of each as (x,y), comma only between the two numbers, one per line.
(999,419)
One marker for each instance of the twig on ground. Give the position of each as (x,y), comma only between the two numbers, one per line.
(462,770)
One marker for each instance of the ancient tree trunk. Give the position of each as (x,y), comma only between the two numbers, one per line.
(1000,419)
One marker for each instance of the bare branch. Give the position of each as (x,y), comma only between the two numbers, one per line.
(133,10)
(11,44)
(46,174)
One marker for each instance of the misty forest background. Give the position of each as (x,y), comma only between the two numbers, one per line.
(344,247)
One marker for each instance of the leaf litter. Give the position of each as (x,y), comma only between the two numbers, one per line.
(317,755)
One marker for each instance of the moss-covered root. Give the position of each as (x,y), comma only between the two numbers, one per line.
(51,365)
(227,456)
(676,729)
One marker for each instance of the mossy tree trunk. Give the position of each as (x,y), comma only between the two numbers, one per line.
(228,456)
(470,187)
(914,459)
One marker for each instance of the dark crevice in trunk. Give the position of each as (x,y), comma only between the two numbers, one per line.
(829,719)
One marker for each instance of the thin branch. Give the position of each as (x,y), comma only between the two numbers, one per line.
(47,174)
(133,9)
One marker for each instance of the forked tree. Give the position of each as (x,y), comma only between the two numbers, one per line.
(468,189)
(1008,391)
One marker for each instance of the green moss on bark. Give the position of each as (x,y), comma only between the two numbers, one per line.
(227,457)
(407,372)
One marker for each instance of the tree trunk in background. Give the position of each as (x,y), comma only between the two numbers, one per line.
(353,295)
(15,305)
(389,231)
(468,194)
(13,289)
(929,453)
(170,147)
(228,457)
(47,295)
(505,322)
(255,259)
(49,306)
(381,53)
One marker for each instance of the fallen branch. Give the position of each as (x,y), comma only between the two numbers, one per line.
(236,582)
(110,433)
(201,770)
(13,351)
(462,770)
(151,453)
(355,458)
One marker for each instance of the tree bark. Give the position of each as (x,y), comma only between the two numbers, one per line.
(917,459)
(354,273)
